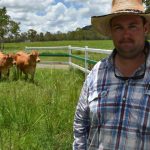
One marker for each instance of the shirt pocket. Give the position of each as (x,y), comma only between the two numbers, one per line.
(139,116)
(147,110)
(104,105)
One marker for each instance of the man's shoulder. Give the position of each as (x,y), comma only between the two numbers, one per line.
(102,64)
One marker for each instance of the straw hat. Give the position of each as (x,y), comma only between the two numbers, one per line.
(119,7)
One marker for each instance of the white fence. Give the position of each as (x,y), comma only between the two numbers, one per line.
(70,49)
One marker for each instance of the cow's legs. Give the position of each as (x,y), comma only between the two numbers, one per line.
(8,73)
(26,76)
(19,73)
(32,75)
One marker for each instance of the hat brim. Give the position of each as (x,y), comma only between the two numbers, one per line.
(102,23)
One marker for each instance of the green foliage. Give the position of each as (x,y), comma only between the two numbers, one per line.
(4,21)
(79,34)
(6,24)
(39,116)
(8,27)
(147,3)
(32,35)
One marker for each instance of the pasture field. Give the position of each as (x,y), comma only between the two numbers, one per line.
(101,44)
(104,44)
(39,115)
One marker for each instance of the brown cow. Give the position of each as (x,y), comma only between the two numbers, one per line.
(6,62)
(26,63)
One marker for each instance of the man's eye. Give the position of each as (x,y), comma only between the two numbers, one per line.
(133,27)
(117,28)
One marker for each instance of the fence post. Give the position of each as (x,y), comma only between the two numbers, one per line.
(25,49)
(86,58)
(70,53)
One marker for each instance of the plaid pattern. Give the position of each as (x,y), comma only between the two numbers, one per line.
(113,114)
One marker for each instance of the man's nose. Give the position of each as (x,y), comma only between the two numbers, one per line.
(126,32)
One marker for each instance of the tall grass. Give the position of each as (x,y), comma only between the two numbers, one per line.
(39,115)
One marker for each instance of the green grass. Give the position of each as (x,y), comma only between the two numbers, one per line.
(39,115)
(104,44)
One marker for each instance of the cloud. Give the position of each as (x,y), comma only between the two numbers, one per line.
(78,1)
(30,5)
(54,15)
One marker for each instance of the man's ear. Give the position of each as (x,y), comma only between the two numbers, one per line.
(146,28)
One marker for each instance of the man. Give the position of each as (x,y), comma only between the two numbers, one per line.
(113,112)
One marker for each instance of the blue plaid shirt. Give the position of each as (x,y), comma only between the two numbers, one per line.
(113,114)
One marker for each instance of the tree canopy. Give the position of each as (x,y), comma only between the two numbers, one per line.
(147,3)
(7,26)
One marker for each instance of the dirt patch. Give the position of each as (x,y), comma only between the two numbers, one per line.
(53,66)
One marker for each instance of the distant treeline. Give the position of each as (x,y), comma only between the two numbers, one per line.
(86,33)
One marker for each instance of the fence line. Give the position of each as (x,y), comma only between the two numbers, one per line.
(70,55)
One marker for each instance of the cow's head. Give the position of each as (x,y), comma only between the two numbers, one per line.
(35,55)
(9,59)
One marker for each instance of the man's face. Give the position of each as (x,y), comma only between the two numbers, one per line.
(128,35)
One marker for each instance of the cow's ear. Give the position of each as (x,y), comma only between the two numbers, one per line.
(18,54)
(13,55)
(10,55)
(34,52)
(32,55)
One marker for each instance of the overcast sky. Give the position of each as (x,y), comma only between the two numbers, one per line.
(54,15)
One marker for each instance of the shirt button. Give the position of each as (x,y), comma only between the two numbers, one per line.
(126,83)
(124,99)
(104,93)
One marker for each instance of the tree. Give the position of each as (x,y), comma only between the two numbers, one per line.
(7,26)
(41,36)
(147,3)
(24,37)
(4,21)
(14,28)
(48,36)
(32,34)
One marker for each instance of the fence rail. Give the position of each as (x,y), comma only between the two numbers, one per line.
(70,55)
